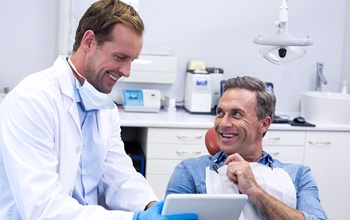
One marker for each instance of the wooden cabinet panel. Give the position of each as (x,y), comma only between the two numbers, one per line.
(286,154)
(166,147)
(326,153)
(176,136)
(281,138)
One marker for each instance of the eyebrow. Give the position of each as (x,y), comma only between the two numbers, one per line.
(232,110)
(238,110)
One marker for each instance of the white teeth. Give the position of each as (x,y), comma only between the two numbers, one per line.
(112,77)
(227,135)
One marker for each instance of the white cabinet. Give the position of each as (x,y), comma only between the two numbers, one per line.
(166,147)
(327,154)
(285,146)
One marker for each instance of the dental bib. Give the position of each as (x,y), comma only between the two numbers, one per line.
(90,97)
(275,182)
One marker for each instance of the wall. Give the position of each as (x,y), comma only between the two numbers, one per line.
(28,40)
(219,32)
(345,73)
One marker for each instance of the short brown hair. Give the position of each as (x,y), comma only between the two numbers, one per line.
(265,99)
(102,16)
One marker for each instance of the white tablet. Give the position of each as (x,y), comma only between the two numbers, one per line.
(206,206)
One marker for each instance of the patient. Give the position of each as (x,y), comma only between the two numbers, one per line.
(275,190)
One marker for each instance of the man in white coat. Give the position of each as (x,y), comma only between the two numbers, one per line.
(61,153)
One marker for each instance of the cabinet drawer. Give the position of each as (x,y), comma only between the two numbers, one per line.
(159,166)
(286,153)
(280,138)
(175,151)
(176,136)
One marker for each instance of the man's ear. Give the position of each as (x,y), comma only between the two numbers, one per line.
(265,124)
(88,40)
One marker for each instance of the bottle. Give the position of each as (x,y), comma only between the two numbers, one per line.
(344,89)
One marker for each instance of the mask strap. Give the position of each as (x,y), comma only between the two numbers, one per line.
(75,69)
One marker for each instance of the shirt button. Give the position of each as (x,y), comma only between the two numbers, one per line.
(85,172)
(77,150)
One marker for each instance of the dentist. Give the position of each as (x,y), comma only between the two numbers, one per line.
(61,153)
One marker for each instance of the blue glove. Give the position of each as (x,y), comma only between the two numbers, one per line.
(154,213)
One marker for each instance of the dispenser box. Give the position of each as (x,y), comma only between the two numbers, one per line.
(153,69)
(198,94)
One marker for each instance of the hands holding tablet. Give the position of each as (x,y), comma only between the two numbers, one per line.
(154,213)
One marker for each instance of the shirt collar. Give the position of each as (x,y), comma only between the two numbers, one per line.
(220,157)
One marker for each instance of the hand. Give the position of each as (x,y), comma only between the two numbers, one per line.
(240,173)
(154,213)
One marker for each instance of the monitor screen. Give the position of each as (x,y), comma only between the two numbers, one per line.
(222,85)
(269,86)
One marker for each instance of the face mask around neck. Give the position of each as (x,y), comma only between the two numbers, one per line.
(90,97)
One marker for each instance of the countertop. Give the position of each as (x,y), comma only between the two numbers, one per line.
(183,119)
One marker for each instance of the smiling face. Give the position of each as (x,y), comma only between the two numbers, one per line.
(106,63)
(238,128)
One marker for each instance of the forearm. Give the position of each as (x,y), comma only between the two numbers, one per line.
(272,208)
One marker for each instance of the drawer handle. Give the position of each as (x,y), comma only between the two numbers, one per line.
(187,153)
(271,139)
(183,137)
(274,153)
(320,142)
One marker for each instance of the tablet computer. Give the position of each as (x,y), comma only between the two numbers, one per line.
(206,206)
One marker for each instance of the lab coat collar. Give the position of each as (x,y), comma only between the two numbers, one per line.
(69,141)
(64,75)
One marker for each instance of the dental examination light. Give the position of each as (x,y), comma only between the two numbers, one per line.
(282,48)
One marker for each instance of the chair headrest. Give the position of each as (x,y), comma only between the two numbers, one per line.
(212,141)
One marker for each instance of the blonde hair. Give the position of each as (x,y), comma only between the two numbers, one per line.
(101,18)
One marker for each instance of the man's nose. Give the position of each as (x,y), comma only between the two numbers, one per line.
(125,69)
(225,121)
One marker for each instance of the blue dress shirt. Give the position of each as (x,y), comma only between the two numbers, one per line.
(189,177)
(90,166)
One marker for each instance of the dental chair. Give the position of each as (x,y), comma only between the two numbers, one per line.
(211,141)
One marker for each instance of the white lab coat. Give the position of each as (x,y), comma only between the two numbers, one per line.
(41,142)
